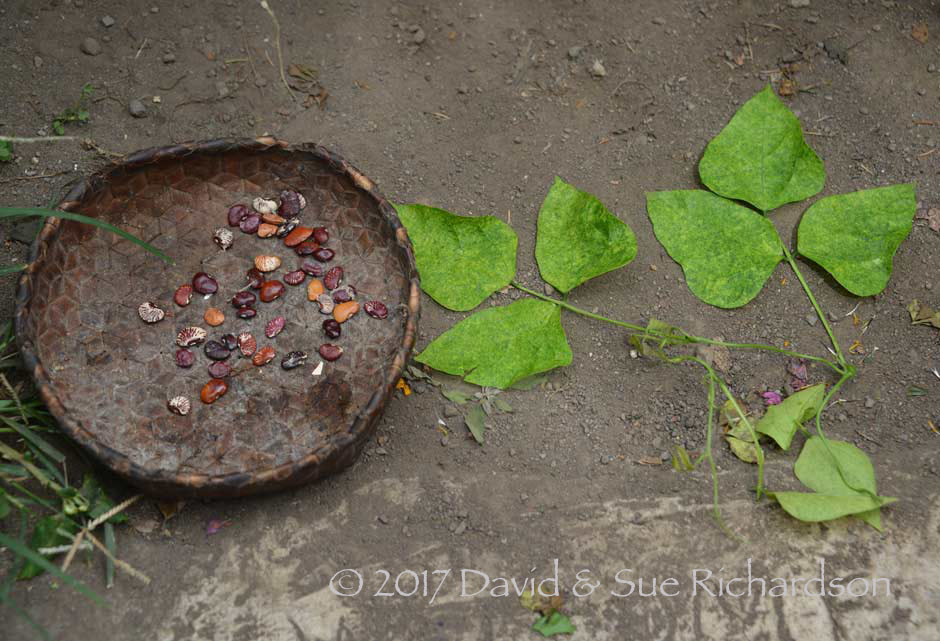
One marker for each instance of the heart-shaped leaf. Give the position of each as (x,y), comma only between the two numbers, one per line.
(783,420)
(498,346)
(726,250)
(854,236)
(844,482)
(760,156)
(578,238)
(461,259)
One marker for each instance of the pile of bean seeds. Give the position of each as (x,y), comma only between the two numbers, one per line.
(265,218)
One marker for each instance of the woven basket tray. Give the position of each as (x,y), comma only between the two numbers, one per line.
(107,376)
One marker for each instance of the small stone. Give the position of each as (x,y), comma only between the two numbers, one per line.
(222,89)
(931,68)
(548,289)
(90,47)
(517,140)
(450,411)
(598,70)
(869,402)
(37,62)
(169,58)
(462,89)
(137,109)
(799,4)
(574,53)
(107,21)
(811,319)
(418,37)
(659,21)
(864,111)
(383,520)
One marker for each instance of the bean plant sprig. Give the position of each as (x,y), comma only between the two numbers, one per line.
(727,247)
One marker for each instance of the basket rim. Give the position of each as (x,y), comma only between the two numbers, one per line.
(231,483)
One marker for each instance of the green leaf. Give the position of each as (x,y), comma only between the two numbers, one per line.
(476,422)
(727,251)
(499,346)
(18,548)
(743,448)
(760,157)
(681,462)
(111,545)
(656,338)
(45,535)
(4,504)
(854,236)
(578,238)
(783,420)
(455,396)
(548,625)
(844,482)
(6,151)
(58,127)
(461,259)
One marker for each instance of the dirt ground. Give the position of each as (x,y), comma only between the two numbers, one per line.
(475,106)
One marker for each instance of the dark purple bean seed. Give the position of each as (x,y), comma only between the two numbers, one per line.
(343,294)
(330,352)
(247,313)
(216,351)
(287,227)
(244,299)
(185,357)
(376,309)
(295,277)
(294,359)
(219,369)
(321,235)
(205,284)
(250,223)
(230,341)
(331,328)
(306,248)
(333,278)
(236,214)
(274,326)
(291,204)
(324,254)
(255,278)
(311,268)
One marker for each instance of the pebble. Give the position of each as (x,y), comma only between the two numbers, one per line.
(548,289)
(869,402)
(107,21)
(37,62)
(598,70)
(90,47)
(811,320)
(450,411)
(659,21)
(798,4)
(462,89)
(574,53)
(137,109)
(418,37)
(863,111)
(169,59)
(931,68)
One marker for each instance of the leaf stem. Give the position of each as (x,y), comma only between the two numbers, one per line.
(819,312)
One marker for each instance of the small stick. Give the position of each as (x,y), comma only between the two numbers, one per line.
(927,122)
(770,25)
(142,45)
(927,153)
(52,175)
(18,140)
(277,42)
(137,574)
(747,41)
(868,438)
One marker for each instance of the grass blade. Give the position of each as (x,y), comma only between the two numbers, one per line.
(23,212)
(12,269)
(35,439)
(112,548)
(18,548)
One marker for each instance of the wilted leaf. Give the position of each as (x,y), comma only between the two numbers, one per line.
(476,423)
(727,251)
(461,259)
(932,216)
(169,509)
(552,624)
(455,396)
(498,346)
(537,602)
(854,236)
(760,157)
(782,421)
(46,535)
(681,461)
(738,435)
(578,238)
(923,314)
(742,448)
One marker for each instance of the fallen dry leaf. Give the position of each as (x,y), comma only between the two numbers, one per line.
(919,32)
(169,509)
(650,460)
(932,216)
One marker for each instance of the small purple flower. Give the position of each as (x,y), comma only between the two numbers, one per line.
(772,398)
(215,525)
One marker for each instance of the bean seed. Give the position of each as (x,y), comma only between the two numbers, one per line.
(333,278)
(376,309)
(213,390)
(264,206)
(267,263)
(189,336)
(288,227)
(229,341)
(184,294)
(294,359)
(255,278)
(344,311)
(311,268)
(326,303)
(236,214)
(219,369)
(223,238)
(331,328)
(247,344)
(297,236)
(271,290)
(216,351)
(266,230)
(295,277)
(243,299)
(321,235)
(150,313)
(214,317)
(263,356)
(314,289)
(179,405)
(306,248)
(246,313)
(250,223)
(344,294)
(205,284)
(185,358)
(275,326)
(330,352)
(324,254)
(291,203)
(273,219)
